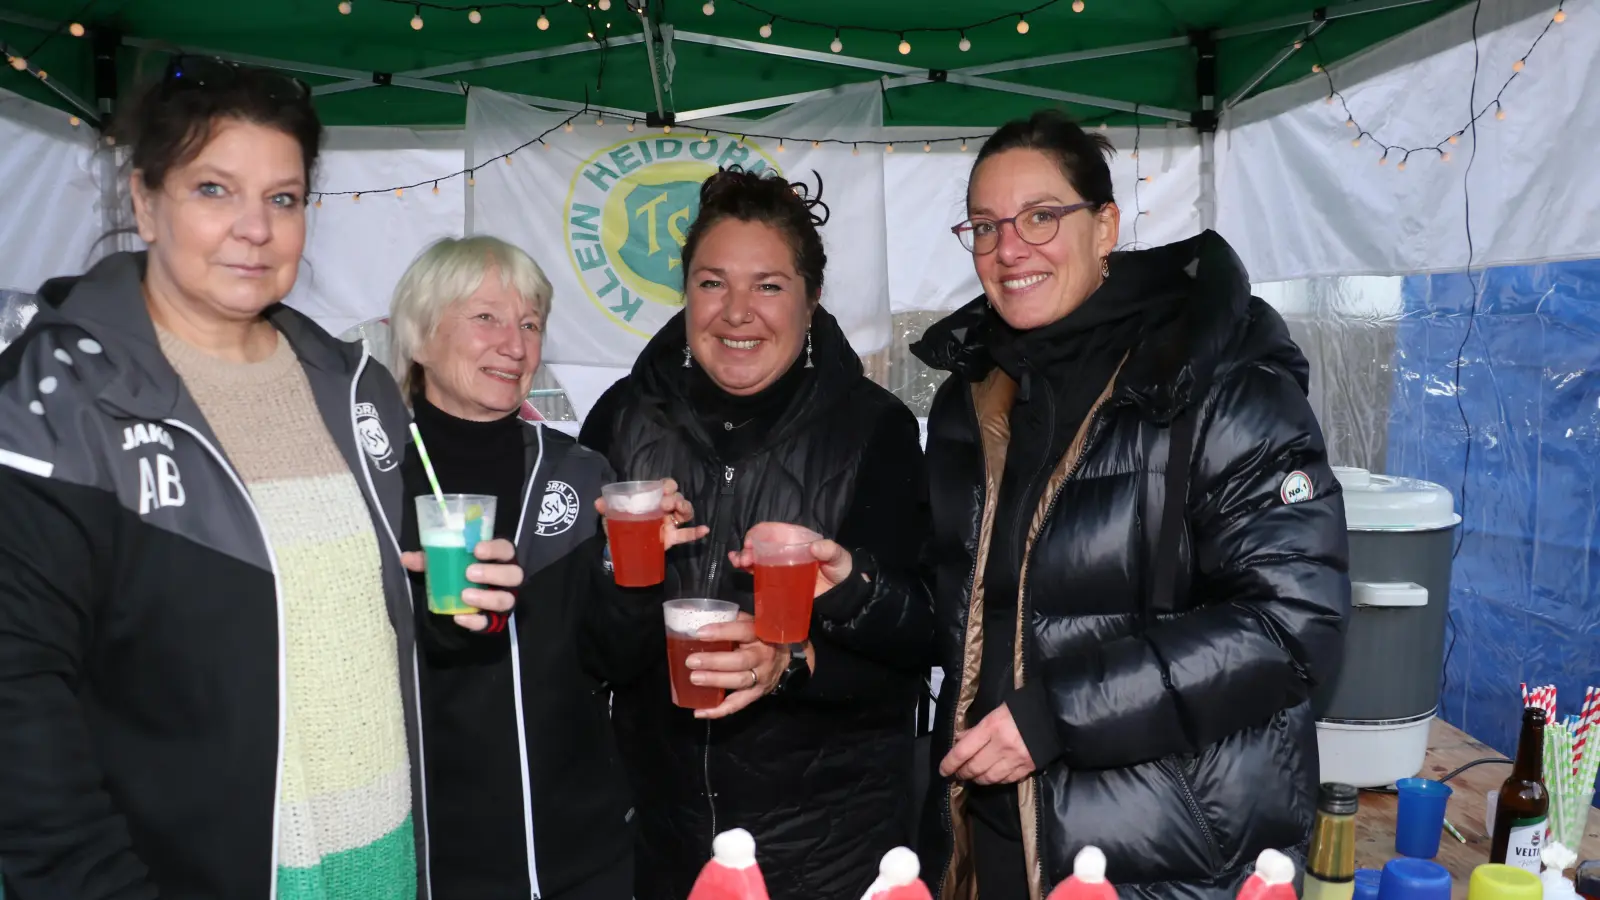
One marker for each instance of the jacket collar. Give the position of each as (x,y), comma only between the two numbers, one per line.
(108,302)
(1170,365)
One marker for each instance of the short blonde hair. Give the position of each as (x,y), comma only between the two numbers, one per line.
(450,270)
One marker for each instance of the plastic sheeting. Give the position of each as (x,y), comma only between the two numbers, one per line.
(1296,200)
(1527,577)
(52,205)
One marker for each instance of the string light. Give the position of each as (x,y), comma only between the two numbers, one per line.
(766,30)
(927,147)
(344,7)
(888,148)
(630,125)
(855,149)
(905,45)
(1560,16)
(399,192)
(1455,138)
(1516,66)
(710,8)
(543,24)
(964,44)
(780,145)
(1022,25)
(43,75)
(76,29)
(74,121)
(605,5)
(666,129)
(1444,156)
(436,188)
(568,126)
(318,204)
(18,63)
(1077,6)
(1316,68)
(600,121)
(837,44)
(357,198)
(1499,111)
(816,145)
(963,146)
(1401,166)
(416,20)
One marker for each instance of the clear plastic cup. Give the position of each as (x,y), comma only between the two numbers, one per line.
(1421,817)
(633,530)
(684,619)
(786,581)
(449,532)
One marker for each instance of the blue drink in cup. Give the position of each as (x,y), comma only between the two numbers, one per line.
(449,532)
(1421,818)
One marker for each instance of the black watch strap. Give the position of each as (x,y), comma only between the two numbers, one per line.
(798,673)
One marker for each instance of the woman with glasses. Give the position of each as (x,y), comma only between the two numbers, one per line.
(1141,550)
(207,655)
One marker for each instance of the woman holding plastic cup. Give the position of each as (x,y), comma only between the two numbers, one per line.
(525,792)
(753,400)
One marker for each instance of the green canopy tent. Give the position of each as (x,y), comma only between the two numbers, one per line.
(1116,61)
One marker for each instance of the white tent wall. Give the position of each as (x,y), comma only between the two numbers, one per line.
(52,207)
(1298,201)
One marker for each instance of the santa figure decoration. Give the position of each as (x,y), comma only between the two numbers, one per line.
(1088,878)
(897,878)
(1273,878)
(732,873)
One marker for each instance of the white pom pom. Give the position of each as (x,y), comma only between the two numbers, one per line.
(1274,867)
(899,868)
(735,849)
(1090,865)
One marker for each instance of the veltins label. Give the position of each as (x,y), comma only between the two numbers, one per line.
(1527,840)
(627,214)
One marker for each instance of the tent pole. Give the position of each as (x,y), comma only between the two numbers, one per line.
(650,55)
(1205,122)
(104,45)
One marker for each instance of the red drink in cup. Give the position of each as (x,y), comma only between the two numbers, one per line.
(684,619)
(633,530)
(786,581)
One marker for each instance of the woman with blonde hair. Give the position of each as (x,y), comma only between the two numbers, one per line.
(526,793)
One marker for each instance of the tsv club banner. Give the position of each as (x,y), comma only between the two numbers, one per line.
(605,212)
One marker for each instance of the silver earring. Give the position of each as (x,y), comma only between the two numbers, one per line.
(808,348)
(686,355)
(1105,267)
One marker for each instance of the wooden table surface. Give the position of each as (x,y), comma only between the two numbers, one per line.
(1448,749)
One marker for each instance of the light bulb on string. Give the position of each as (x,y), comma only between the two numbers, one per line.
(780,145)
(416,20)
(76,29)
(1316,67)
(766,30)
(816,145)
(475,17)
(1133,155)
(318,203)
(1455,138)
(1022,25)
(964,44)
(855,149)
(600,121)
(1517,66)
(905,45)
(1103,126)
(1499,111)
(1444,156)
(1355,142)
(543,23)
(399,192)
(1560,16)
(436,188)
(567,126)
(1077,6)
(605,5)
(18,63)
(357,198)
(590,35)
(889,148)
(1299,44)
(1349,123)
(1384,159)
(472,181)
(666,129)
(710,8)
(1148,178)
(74,121)
(345,7)
(1328,100)
(1400,166)
(630,124)
(927,147)
(963,146)
(837,44)
(43,75)
(508,156)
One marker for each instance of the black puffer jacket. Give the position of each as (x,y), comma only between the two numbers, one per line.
(820,775)
(1178,689)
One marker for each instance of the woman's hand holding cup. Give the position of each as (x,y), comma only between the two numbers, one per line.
(496,566)
(676,511)
(834,562)
(748,672)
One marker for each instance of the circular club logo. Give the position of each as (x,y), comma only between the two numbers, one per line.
(373,438)
(627,213)
(558,510)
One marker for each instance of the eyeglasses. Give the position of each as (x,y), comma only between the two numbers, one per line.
(188,72)
(1036,225)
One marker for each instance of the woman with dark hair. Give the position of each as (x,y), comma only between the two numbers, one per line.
(752,399)
(207,650)
(1140,548)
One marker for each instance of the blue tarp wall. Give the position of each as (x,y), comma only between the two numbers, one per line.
(1525,596)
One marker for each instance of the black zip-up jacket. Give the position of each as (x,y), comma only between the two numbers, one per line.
(528,797)
(140,679)
(1178,688)
(820,775)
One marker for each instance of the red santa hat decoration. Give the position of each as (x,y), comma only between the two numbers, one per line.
(732,873)
(897,878)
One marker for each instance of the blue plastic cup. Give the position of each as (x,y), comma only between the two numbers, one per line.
(1367,881)
(1414,879)
(1421,818)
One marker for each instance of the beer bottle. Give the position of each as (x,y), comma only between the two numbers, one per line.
(1522,813)
(1331,862)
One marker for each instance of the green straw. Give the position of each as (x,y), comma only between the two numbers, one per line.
(1454,832)
(427,466)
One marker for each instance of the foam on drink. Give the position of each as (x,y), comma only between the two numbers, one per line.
(639,504)
(688,622)
(444,537)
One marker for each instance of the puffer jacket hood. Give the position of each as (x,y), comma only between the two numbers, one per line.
(1177,675)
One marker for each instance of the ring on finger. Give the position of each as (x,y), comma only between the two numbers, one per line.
(754,678)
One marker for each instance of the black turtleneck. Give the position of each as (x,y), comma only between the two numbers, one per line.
(472,458)
(737,424)
(1060,369)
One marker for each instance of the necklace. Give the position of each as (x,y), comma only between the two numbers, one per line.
(729,426)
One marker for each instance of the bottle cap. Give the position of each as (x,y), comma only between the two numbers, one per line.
(1338,799)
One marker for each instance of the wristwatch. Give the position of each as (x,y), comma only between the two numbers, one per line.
(797,674)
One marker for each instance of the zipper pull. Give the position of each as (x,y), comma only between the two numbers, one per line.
(727,481)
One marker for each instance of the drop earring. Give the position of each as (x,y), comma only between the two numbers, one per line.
(687,356)
(808,348)
(1105,267)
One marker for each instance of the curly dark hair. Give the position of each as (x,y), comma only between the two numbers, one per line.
(792,209)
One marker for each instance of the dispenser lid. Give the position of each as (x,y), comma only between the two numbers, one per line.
(1389,503)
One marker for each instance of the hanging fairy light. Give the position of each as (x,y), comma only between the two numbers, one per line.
(1517,66)
(475,17)
(74,121)
(543,23)
(905,45)
(416,20)
(927,147)
(1560,16)
(1022,25)
(837,43)
(1499,111)
(963,145)
(766,30)
(710,8)
(888,148)
(964,44)
(605,5)
(1077,6)
(18,63)
(567,126)
(436,188)
(76,29)
(816,145)
(345,7)
(630,125)
(780,145)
